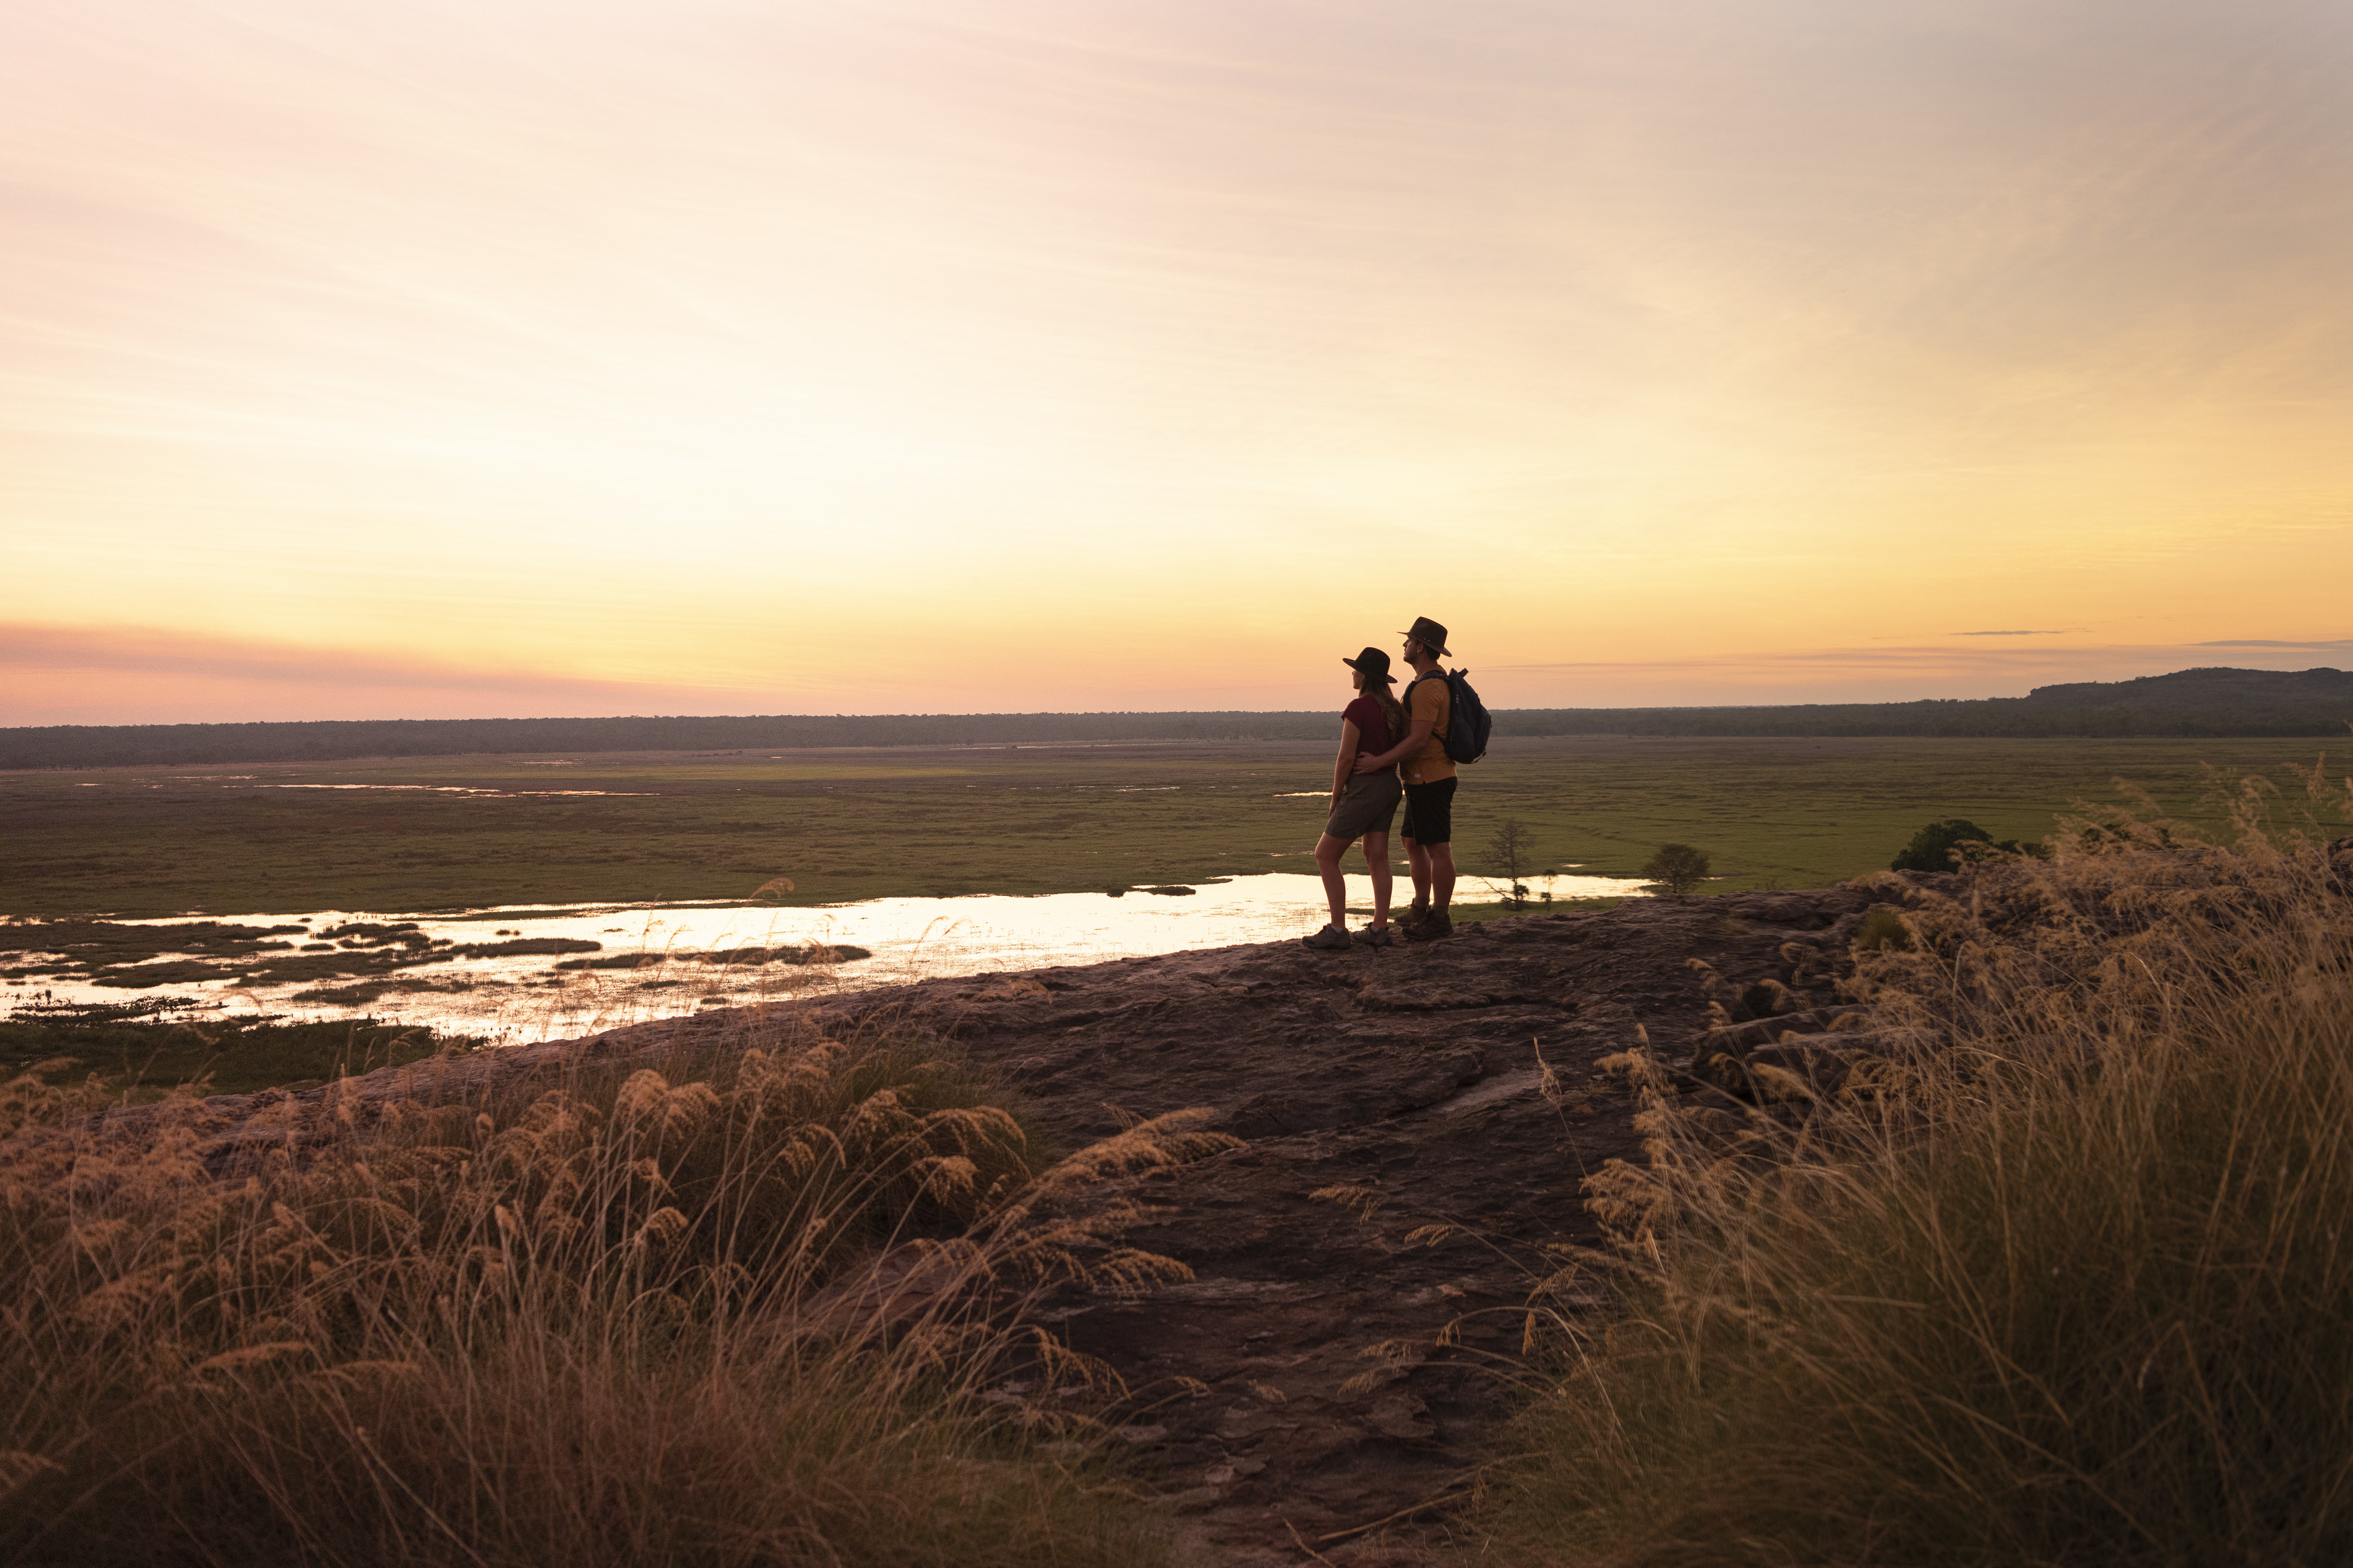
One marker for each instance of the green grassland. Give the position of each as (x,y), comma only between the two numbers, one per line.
(140,1059)
(844,825)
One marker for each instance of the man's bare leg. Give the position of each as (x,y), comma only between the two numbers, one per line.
(1417,860)
(1441,877)
(1377,862)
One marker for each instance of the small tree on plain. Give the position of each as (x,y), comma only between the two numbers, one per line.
(1677,866)
(1512,848)
(1932,848)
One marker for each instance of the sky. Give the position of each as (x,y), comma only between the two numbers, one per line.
(377,360)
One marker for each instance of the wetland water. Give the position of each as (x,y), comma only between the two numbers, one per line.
(601,966)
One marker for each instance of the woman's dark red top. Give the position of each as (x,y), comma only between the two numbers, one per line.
(1373,735)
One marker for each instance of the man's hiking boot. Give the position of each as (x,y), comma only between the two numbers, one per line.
(1415,912)
(1331,939)
(1431,928)
(1375,936)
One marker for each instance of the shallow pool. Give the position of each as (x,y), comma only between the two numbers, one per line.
(542,996)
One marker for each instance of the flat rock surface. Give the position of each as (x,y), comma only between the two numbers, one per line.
(1413,1073)
(1409,1073)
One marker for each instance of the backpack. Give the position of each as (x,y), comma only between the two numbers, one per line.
(1468,723)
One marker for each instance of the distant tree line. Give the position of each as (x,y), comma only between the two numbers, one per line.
(85,746)
(2193,703)
(2188,703)
(1896,719)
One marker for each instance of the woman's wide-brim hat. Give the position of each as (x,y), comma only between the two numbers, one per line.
(1374,663)
(1429,634)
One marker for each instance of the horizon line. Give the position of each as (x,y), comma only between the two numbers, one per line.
(1150,713)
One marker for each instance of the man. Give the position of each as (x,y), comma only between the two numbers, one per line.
(1428,827)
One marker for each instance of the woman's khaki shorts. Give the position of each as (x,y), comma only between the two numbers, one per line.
(1367,806)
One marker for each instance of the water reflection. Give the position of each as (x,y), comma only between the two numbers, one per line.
(679,950)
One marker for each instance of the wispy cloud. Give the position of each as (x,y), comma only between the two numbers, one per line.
(1085,352)
(54,674)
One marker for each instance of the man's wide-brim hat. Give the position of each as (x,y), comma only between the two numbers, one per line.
(1374,665)
(1429,634)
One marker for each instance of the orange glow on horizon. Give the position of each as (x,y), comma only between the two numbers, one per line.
(917,357)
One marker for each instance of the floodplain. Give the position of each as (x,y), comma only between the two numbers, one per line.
(418,835)
(509,899)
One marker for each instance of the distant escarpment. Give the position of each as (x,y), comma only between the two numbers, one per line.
(2189,703)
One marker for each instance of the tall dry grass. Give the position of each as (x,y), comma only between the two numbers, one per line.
(746,1309)
(2075,1289)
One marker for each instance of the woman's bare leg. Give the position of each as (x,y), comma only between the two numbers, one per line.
(1328,851)
(1377,862)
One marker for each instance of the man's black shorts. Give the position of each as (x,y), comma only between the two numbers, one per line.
(1429,811)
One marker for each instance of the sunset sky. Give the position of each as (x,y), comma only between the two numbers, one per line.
(514,357)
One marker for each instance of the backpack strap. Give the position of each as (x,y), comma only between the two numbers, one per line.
(1405,701)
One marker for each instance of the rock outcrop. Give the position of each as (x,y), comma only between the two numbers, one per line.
(1298,1382)
(1325,1370)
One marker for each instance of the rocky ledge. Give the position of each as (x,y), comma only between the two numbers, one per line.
(1415,1076)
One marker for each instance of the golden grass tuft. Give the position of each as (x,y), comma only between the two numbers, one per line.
(2072,1288)
(740,1309)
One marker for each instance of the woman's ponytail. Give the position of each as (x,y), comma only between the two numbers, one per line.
(1392,710)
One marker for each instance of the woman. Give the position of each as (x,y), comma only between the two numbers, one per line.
(1362,804)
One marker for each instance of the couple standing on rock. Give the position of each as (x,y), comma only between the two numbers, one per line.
(1377,733)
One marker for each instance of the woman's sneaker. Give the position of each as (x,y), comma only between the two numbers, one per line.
(1331,939)
(1375,936)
